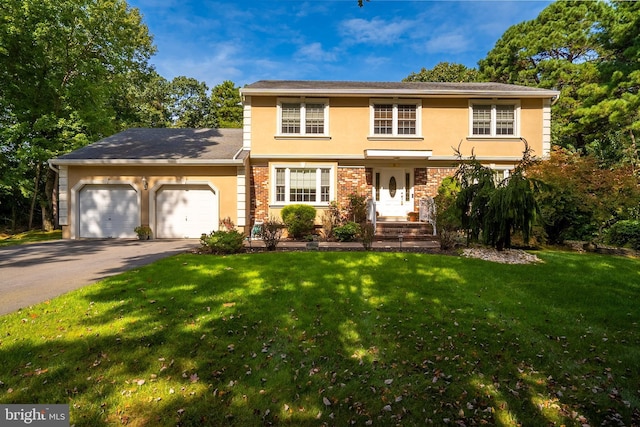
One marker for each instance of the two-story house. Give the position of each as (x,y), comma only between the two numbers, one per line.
(302,142)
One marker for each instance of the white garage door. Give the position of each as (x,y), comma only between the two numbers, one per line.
(186,211)
(108,211)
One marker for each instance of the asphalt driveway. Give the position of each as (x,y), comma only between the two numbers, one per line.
(33,273)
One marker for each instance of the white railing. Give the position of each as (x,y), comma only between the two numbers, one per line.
(371,211)
(427,212)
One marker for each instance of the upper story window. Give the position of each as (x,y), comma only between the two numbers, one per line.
(395,118)
(497,119)
(303,117)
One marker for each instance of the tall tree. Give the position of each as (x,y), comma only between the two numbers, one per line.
(226,106)
(560,49)
(613,103)
(60,63)
(445,72)
(143,102)
(189,106)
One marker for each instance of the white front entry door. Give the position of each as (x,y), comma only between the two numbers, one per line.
(394,186)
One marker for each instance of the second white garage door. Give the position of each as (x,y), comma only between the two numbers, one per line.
(186,211)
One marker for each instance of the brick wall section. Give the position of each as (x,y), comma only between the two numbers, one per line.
(259,193)
(435,177)
(353,180)
(419,186)
(350,181)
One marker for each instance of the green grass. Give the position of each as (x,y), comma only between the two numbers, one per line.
(32,236)
(322,338)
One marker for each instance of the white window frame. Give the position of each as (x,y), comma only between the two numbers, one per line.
(494,103)
(395,102)
(501,173)
(303,122)
(287,183)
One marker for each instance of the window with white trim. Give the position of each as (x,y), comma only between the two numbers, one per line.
(303,117)
(396,118)
(489,119)
(303,185)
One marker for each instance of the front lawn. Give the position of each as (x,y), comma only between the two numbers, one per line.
(337,338)
(32,236)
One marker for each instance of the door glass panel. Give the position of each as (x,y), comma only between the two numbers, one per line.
(392,187)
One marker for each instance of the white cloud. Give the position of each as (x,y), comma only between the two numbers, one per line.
(315,52)
(375,31)
(448,43)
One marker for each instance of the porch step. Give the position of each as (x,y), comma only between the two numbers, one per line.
(393,229)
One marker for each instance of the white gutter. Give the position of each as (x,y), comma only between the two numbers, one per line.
(146,162)
(52,167)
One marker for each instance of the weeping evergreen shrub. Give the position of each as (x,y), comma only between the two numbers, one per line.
(492,211)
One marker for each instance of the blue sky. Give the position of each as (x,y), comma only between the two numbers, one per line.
(249,40)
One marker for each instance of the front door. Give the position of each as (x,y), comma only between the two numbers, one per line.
(393,188)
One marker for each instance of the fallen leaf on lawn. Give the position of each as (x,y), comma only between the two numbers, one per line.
(387,408)
(194,378)
(389,381)
(326,401)
(180,411)
(139,382)
(228,304)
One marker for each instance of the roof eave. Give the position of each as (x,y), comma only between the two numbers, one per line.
(146,162)
(542,93)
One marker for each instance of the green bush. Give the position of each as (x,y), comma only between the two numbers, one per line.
(299,219)
(625,233)
(357,208)
(367,235)
(447,213)
(347,232)
(271,233)
(223,242)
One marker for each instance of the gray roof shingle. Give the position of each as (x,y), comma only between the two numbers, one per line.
(404,88)
(162,144)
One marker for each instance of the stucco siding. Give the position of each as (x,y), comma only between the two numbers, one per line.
(147,180)
(445,123)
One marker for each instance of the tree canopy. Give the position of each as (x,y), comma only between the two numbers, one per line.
(62,63)
(590,52)
(445,72)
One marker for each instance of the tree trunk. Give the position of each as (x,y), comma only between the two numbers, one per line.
(50,204)
(634,152)
(36,186)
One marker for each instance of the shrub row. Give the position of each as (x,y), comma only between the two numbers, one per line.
(625,233)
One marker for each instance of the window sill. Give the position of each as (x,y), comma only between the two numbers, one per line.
(395,138)
(494,138)
(280,205)
(308,137)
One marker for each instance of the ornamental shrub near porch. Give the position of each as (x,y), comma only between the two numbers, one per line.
(299,219)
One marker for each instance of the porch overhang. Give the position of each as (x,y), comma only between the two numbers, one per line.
(397,154)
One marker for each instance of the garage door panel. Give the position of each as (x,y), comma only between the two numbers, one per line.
(108,211)
(186,211)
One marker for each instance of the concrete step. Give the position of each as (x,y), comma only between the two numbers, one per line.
(392,230)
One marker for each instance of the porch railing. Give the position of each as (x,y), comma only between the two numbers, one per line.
(371,212)
(427,212)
